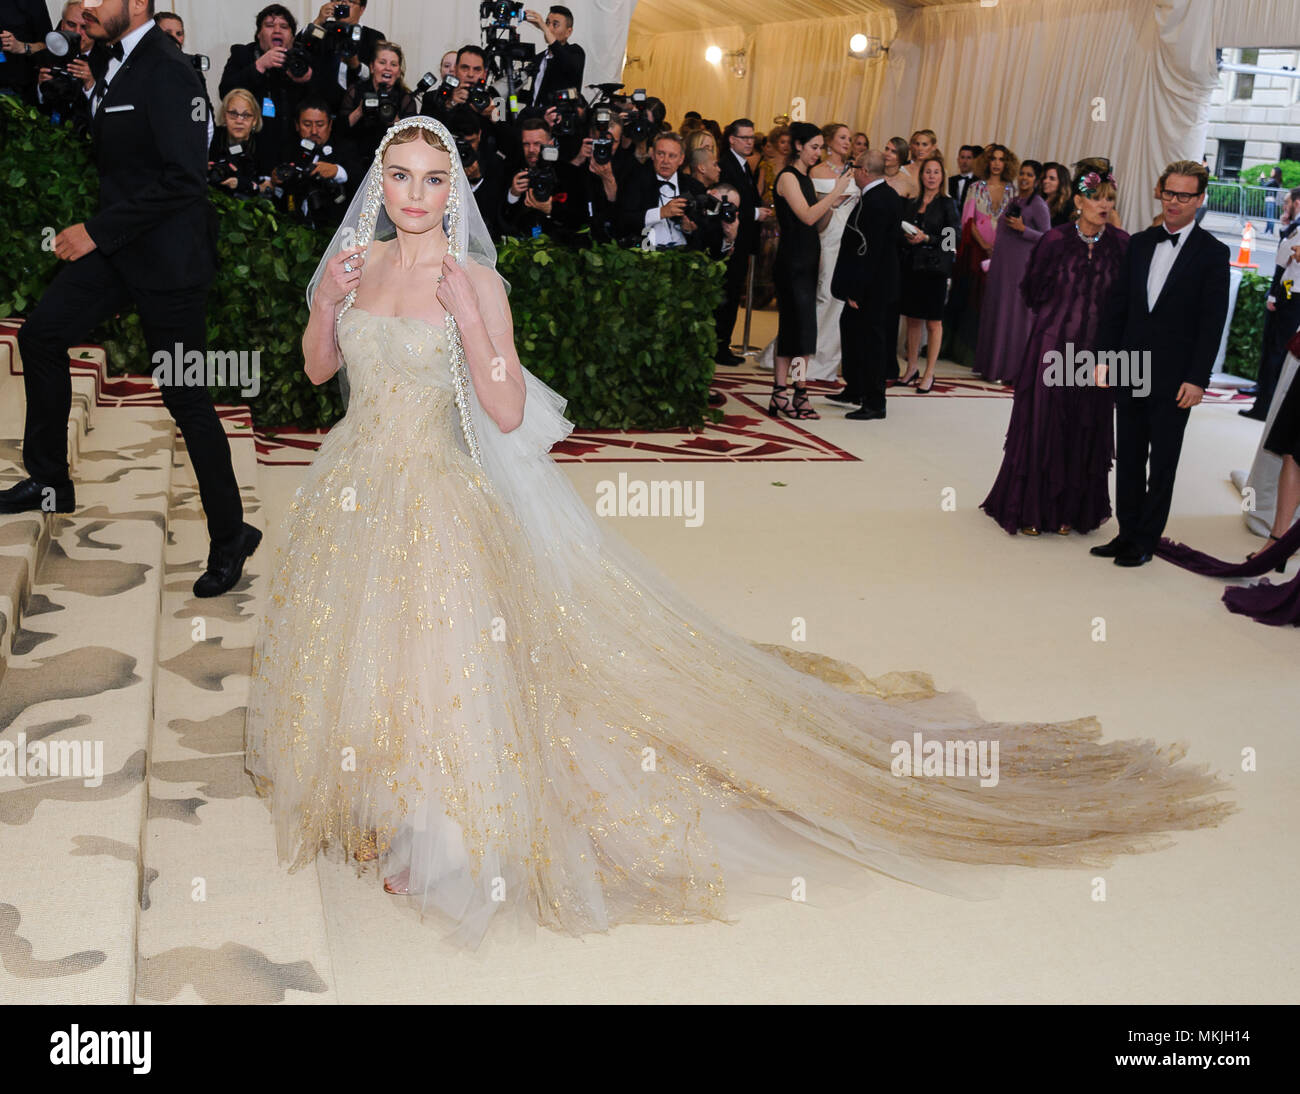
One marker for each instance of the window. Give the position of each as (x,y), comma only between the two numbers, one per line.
(1229,159)
(1245,84)
(1290,151)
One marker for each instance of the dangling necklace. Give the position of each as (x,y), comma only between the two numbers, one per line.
(1089,239)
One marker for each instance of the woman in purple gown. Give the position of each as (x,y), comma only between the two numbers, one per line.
(1061,441)
(1005,318)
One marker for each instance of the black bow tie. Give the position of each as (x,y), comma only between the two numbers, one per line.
(115,50)
(669,183)
(1170,237)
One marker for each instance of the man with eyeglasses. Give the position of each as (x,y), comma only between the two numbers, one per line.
(1170,301)
(733,162)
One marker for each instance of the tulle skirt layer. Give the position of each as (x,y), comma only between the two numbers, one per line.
(599,752)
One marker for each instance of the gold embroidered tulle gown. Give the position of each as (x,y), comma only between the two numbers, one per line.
(604,753)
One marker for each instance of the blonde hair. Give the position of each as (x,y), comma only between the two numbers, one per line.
(696,138)
(417,133)
(1191,169)
(245,96)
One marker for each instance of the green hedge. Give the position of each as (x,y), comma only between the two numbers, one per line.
(626,336)
(1246,331)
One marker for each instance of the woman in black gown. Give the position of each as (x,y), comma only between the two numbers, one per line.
(799,215)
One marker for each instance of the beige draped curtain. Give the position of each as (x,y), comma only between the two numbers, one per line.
(806,60)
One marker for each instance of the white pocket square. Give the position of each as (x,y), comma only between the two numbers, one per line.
(115,109)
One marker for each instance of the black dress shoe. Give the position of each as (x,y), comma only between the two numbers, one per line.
(226,564)
(716,398)
(1133,558)
(864,415)
(30,495)
(845,398)
(1115,547)
(1250,412)
(728,358)
(1249,390)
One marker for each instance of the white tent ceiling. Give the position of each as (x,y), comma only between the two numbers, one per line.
(664,16)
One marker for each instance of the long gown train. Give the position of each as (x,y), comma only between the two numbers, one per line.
(602,752)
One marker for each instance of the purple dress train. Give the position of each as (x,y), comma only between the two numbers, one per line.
(1005,319)
(1061,440)
(1276,605)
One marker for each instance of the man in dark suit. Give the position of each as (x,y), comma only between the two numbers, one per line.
(1282,311)
(959,183)
(734,167)
(867,279)
(652,206)
(1165,313)
(561,64)
(152,245)
(343,64)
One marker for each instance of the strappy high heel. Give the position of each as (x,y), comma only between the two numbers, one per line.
(1280,568)
(803,408)
(781,403)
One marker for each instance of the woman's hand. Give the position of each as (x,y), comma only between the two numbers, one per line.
(1015,224)
(457,294)
(338,281)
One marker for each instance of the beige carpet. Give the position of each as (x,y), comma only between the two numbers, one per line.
(887,579)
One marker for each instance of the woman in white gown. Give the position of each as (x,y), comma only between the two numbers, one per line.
(460,673)
(825,363)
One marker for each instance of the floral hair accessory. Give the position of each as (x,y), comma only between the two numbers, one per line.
(1088,183)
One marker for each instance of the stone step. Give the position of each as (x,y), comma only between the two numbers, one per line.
(81,675)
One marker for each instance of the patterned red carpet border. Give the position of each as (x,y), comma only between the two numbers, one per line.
(745,433)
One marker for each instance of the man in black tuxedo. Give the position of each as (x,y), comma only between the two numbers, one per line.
(341,66)
(1282,311)
(734,167)
(652,206)
(867,278)
(959,183)
(152,245)
(1169,302)
(561,64)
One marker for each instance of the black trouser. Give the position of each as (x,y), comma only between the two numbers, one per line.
(82,295)
(1279,327)
(733,289)
(863,350)
(1148,428)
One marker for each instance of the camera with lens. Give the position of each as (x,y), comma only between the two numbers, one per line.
(294,171)
(339,37)
(199,61)
(699,206)
(297,62)
(541,178)
(62,91)
(235,164)
(465,150)
(568,105)
(379,107)
(500,13)
(639,115)
(480,96)
(602,143)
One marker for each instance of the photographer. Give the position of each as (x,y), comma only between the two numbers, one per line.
(703,168)
(237,160)
(23,27)
(261,68)
(537,200)
(372,105)
(64,84)
(348,49)
(173,26)
(317,180)
(733,162)
(561,64)
(484,169)
(653,203)
(595,174)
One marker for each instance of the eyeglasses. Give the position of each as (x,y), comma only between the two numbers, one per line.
(1178,196)
(240,115)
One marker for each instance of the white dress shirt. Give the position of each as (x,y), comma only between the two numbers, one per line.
(1162,261)
(666,232)
(128,44)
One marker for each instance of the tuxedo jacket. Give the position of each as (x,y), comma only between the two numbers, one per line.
(563,70)
(1184,329)
(641,192)
(955,190)
(155,224)
(868,263)
(742,178)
